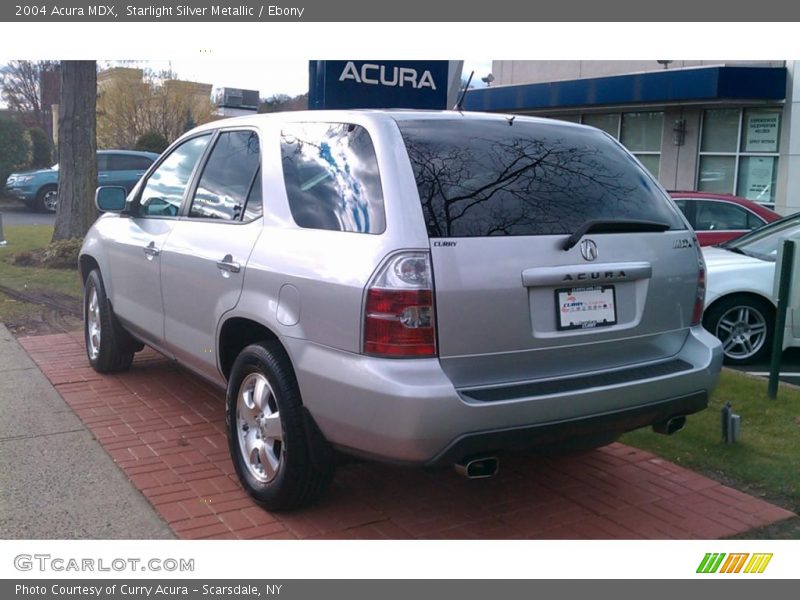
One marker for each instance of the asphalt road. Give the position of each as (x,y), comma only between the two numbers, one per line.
(15,213)
(790,367)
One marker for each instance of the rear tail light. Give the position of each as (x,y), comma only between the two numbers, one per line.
(399,315)
(700,297)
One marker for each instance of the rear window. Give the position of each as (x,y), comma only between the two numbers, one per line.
(332,179)
(482,178)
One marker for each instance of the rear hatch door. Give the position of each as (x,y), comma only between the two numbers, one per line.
(554,253)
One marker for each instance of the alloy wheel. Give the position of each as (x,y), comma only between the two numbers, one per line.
(742,331)
(93,324)
(259,428)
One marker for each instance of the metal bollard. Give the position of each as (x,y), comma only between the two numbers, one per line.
(3,241)
(731,424)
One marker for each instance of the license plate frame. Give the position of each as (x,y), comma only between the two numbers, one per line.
(590,301)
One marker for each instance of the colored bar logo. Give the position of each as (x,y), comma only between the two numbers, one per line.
(719,562)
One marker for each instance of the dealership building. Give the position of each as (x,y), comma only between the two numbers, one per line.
(718,126)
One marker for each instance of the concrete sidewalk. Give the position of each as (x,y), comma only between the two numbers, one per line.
(56,480)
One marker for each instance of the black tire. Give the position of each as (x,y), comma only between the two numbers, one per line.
(113,349)
(42,202)
(280,474)
(745,326)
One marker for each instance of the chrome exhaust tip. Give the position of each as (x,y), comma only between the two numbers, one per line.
(482,467)
(670,426)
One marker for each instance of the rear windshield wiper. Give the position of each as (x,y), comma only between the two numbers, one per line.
(612,226)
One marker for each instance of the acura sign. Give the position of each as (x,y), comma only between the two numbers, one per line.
(342,84)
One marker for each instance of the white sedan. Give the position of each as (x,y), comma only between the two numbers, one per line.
(740,309)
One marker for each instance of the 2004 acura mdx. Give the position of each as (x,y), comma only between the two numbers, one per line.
(425,288)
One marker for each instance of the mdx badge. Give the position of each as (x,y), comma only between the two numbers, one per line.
(588,250)
(682,243)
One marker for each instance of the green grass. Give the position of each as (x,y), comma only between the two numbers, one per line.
(25,238)
(766,459)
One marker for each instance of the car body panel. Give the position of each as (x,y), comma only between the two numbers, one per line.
(187,265)
(728,273)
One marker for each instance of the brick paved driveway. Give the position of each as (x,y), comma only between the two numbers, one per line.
(165,429)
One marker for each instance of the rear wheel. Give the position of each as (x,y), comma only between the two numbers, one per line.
(269,437)
(47,199)
(744,325)
(109,347)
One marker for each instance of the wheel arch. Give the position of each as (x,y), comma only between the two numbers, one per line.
(738,294)
(236,333)
(86,264)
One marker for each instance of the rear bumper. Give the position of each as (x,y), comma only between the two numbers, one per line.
(407,411)
(546,434)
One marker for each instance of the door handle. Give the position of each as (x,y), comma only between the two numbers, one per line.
(150,251)
(228,264)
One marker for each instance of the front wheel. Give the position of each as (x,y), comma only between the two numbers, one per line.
(108,346)
(745,327)
(47,199)
(270,439)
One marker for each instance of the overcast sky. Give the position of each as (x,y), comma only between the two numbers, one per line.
(268,77)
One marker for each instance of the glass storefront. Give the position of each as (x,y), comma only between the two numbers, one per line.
(739,152)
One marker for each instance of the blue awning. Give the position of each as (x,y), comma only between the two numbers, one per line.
(698,85)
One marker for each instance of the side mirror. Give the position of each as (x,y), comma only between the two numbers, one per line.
(110,198)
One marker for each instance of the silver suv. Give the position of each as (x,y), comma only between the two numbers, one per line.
(415,287)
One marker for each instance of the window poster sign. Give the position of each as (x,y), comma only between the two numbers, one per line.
(756,177)
(761,131)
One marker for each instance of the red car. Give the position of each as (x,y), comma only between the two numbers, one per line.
(718,218)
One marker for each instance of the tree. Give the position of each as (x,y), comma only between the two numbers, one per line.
(133,102)
(22,91)
(41,151)
(283,102)
(77,149)
(152,141)
(15,147)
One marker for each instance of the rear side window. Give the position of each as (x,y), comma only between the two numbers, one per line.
(331,176)
(496,177)
(227,176)
(720,216)
(128,162)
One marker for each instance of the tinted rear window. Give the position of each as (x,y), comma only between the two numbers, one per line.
(481,178)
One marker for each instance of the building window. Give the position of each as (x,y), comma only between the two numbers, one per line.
(739,152)
(607,122)
(639,132)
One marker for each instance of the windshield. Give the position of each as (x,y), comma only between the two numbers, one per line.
(764,242)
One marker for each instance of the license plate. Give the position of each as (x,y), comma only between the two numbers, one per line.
(586,307)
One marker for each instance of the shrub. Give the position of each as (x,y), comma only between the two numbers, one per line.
(152,141)
(42,155)
(23,259)
(62,254)
(15,147)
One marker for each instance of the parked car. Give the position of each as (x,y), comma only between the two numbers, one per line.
(416,287)
(740,306)
(39,189)
(718,218)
